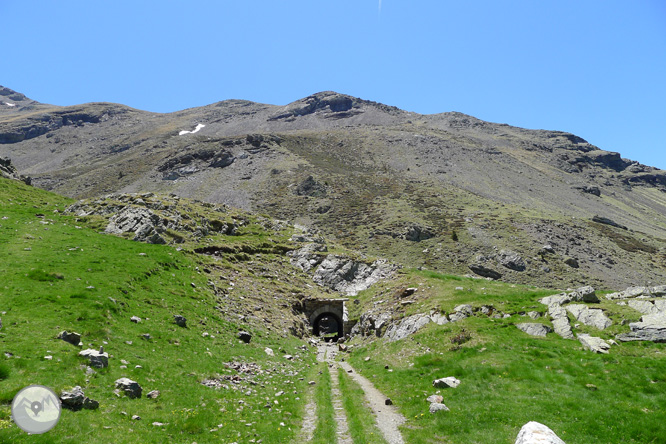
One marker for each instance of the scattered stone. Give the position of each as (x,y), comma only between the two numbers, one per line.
(534,329)
(147,336)
(136,418)
(97,358)
(437,407)
(533,314)
(448,382)
(158,424)
(71,338)
(154,394)
(537,433)
(131,388)
(388,401)
(591,387)
(593,343)
(435,398)
(342,347)
(269,351)
(76,400)
(289,357)
(48,357)
(366,359)
(135,319)
(244,336)
(593,317)
(180,320)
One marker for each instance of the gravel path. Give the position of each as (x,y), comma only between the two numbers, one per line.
(387,417)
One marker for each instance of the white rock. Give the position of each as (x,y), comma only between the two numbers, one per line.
(537,433)
(593,343)
(437,407)
(448,382)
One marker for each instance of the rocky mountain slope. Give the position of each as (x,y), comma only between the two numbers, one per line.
(446,192)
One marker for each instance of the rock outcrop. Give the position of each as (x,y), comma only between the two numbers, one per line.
(651,327)
(406,327)
(8,171)
(593,317)
(560,320)
(348,276)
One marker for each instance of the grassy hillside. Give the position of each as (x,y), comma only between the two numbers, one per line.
(508,377)
(59,275)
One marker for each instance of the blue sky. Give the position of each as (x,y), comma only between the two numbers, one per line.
(593,68)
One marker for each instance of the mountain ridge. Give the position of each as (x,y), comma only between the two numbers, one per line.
(368,175)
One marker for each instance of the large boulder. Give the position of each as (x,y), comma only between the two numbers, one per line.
(98,358)
(534,329)
(584,294)
(72,338)
(75,399)
(537,433)
(593,317)
(131,388)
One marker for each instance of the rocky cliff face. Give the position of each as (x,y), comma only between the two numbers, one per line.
(436,191)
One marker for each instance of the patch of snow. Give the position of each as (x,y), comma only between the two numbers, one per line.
(198,127)
(10,104)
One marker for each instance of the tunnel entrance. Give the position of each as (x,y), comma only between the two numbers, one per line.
(328,326)
(327,317)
